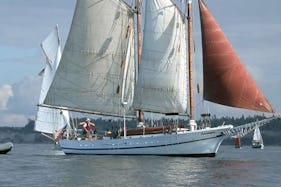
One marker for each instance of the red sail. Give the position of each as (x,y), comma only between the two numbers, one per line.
(226,80)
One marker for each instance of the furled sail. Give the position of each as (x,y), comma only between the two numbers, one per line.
(162,80)
(226,80)
(48,120)
(97,60)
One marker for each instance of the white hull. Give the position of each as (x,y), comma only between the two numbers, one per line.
(204,142)
(6,147)
(257,144)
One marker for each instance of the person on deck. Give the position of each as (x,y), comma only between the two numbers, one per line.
(87,128)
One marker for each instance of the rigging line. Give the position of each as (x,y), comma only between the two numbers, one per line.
(133,9)
(47,136)
(48,60)
(179,9)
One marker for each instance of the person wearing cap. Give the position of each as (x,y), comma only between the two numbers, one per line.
(87,128)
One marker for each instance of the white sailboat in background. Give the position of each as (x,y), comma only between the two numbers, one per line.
(49,120)
(98,74)
(257,141)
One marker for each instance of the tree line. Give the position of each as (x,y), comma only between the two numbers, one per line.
(271,132)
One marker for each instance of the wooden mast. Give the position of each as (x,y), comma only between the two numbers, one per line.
(139,39)
(189,33)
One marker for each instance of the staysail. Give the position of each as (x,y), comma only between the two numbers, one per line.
(162,80)
(97,59)
(51,47)
(48,120)
(226,80)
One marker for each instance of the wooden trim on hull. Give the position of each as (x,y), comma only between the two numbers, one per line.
(148,130)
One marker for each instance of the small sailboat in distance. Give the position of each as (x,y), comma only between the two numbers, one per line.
(257,141)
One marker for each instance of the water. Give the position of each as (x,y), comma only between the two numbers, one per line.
(43,165)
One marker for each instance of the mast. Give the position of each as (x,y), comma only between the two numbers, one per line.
(139,38)
(189,32)
(139,31)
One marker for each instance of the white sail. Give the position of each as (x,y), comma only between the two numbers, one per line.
(52,49)
(162,81)
(91,72)
(257,141)
(48,120)
(257,135)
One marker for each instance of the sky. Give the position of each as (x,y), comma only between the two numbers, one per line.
(252,26)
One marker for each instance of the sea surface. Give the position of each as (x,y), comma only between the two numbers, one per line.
(44,165)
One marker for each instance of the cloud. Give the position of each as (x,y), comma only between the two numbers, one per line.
(26,95)
(5,93)
(18,102)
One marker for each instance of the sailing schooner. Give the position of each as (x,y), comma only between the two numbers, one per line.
(98,74)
